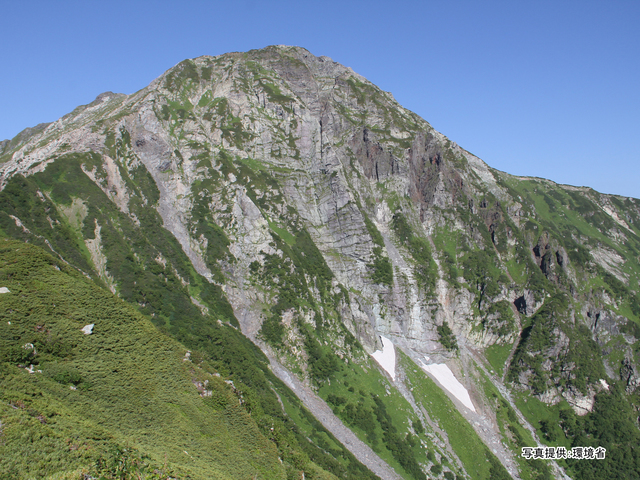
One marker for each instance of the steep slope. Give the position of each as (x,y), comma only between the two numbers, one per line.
(283,194)
(123,396)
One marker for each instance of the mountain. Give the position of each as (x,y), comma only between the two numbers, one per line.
(384,297)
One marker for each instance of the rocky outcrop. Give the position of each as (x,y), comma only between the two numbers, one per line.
(526,303)
(629,375)
(551,257)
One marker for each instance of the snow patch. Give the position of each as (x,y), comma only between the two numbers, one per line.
(604,384)
(445,377)
(386,357)
(4,290)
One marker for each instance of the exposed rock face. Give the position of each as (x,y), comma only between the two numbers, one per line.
(550,257)
(526,303)
(629,374)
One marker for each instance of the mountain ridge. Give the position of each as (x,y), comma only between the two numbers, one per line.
(317,214)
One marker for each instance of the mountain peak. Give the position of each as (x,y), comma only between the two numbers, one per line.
(281,195)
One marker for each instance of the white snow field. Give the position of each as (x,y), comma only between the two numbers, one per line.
(386,357)
(445,377)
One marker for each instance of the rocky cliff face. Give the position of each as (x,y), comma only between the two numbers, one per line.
(316,213)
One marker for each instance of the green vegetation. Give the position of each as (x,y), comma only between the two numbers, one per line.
(577,366)
(424,267)
(475,456)
(218,112)
(610,425)
(382,270)
(119,400)
(323,363)
(265,79)
(499,318)
(126,359)
(482,274)
(546,419)
(286,274)
(366,402)
(302,443)
(497,356)
(515,436)
(179,76)
(447,243)
(131,251)
(399,446)
(360,89)
(447,338)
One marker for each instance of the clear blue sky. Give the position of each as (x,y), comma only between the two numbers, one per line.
(544,88)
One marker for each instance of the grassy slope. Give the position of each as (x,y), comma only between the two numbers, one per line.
(568,215)
(132,387)
(514,435)
(350,394)
(572,217)
(478,461)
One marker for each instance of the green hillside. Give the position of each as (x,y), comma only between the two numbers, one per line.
(120,402)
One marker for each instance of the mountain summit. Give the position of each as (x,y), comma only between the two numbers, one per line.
(433,314)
